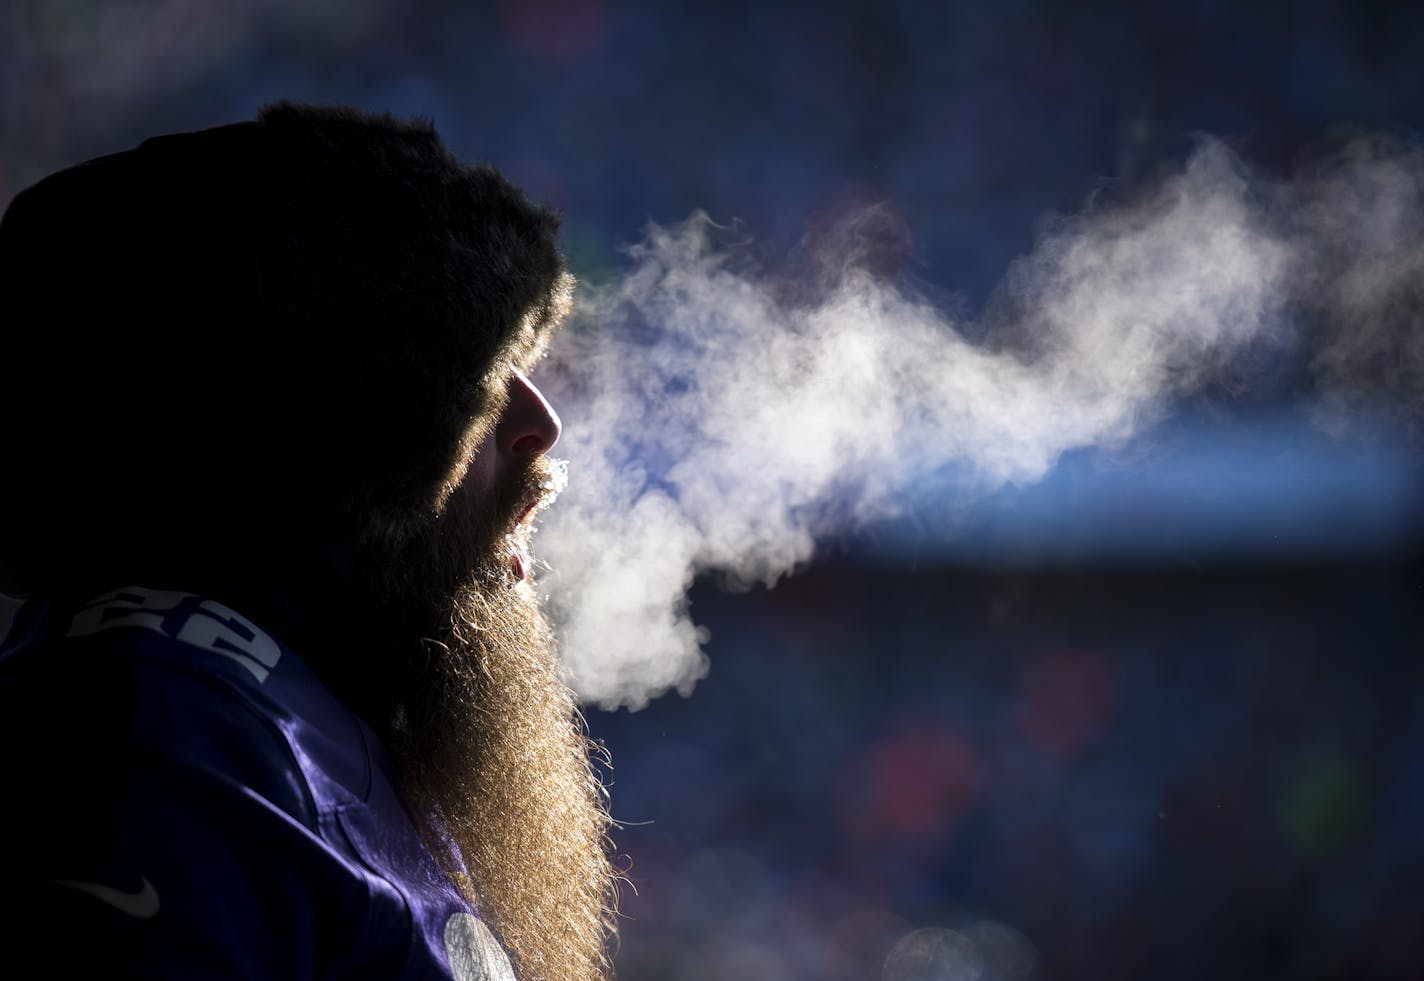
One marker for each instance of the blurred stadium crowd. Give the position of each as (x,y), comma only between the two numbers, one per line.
(1081,774)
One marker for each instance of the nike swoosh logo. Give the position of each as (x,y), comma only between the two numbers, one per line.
(142,904)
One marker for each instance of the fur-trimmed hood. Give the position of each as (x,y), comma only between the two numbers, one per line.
(255,329)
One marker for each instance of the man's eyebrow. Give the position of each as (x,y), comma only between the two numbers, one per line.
(526,357)
(545,317)
(535,334)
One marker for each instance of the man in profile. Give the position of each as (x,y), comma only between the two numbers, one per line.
(282,702)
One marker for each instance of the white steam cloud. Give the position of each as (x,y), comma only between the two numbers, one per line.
(718,420)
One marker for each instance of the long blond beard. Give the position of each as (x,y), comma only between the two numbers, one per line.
(495,759)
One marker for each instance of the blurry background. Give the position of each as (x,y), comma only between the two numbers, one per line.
(1159,715)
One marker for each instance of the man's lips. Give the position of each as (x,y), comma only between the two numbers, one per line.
(519,561)
(518,541)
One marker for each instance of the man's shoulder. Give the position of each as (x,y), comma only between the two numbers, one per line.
(152,657)
(182,629)
(142,677)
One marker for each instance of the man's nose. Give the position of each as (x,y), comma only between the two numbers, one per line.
(529,425)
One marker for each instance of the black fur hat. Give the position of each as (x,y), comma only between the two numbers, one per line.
(227,337)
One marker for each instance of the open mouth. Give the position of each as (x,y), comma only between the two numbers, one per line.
(518,561)
(517,541)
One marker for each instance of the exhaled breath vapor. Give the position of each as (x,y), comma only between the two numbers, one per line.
(713,424)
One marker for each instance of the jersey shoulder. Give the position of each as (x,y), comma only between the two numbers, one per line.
(141,679)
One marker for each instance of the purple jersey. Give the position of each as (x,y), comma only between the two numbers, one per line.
(184,799)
